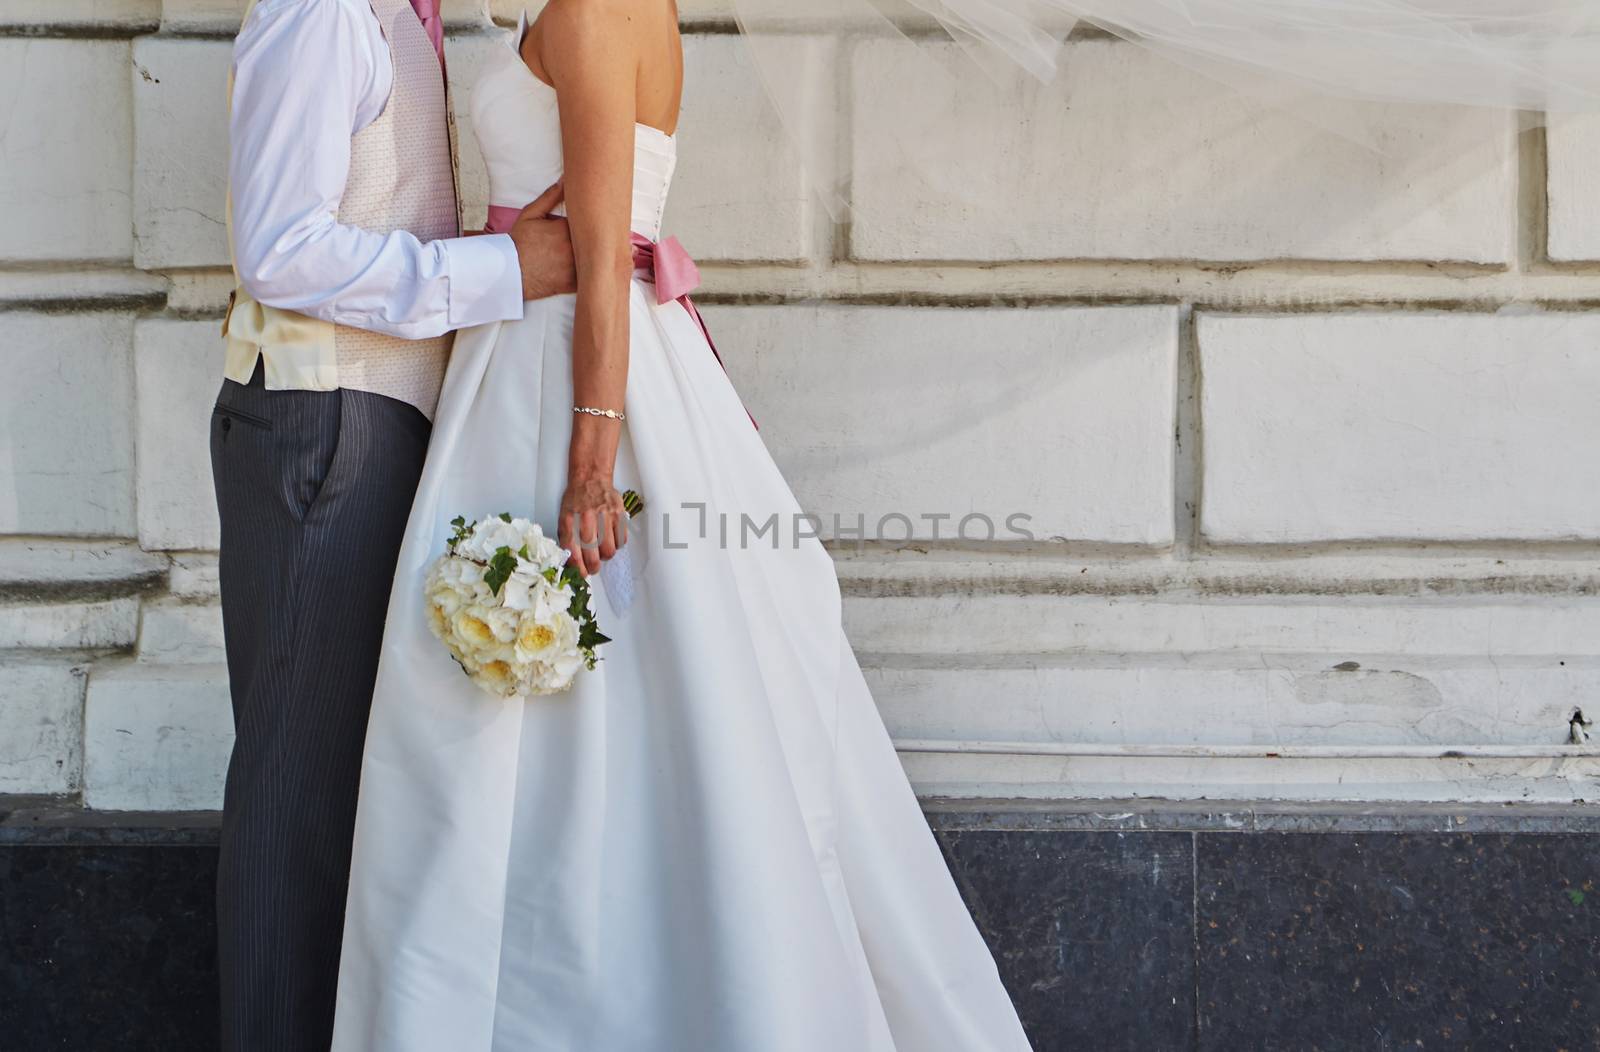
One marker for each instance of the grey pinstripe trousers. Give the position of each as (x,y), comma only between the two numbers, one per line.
(313,489)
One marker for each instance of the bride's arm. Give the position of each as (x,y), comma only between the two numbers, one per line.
(585,49)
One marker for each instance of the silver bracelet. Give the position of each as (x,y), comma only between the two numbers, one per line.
(612,413)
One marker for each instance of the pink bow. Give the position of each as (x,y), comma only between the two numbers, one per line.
(428,12)
(669,266)
(667,263)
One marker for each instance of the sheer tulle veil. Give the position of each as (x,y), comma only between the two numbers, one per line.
(1311,59)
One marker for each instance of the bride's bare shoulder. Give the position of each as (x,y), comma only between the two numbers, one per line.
(581,35)
(578,21)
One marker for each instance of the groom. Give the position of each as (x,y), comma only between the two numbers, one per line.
(344,223)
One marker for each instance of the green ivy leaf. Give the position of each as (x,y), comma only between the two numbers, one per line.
(501,567)
(505,516)
(462,531)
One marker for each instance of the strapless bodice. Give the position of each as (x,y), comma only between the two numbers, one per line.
(519,131)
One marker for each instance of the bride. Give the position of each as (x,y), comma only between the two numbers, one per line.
(708,844)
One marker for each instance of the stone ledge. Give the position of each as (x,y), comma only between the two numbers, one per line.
(924,569)
(79,18)
(1245,816)
(1418,571)
(34,570)
(50,821)
(57,821)
(79,288)
(96,625)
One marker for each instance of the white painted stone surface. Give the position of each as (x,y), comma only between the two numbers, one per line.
(179,368)
(66,424)
(86,625)
(181,164)
(194,15)
(465,54)
(1314,781)
(40,568)
(1273,703)
(1411,427)
(182,631)
(1324,631)
(1468,438)
(101,14)
(41,727)
(688,10)
(1063,415)
(1263,706)
(194,575)
(1573,149)
(180,168)
(1130,156)
(225,15)
(156,737)
(66,133)
(740,192)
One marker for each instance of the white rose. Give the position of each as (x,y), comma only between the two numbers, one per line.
(472,628)
(438,621)
(545,639)
(536,641)
(503,623)
(498,677)
(448,600)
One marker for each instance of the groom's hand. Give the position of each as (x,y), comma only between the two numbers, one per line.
(544,249)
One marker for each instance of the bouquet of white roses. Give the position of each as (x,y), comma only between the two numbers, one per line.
(511,611)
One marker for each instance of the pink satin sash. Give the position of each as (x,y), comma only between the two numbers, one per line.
(666,263)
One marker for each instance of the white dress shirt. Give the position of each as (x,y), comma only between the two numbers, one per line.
(308,75)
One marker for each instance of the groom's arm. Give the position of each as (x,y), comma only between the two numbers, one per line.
(306,79)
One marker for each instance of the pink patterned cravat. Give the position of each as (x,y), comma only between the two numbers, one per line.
(428,11)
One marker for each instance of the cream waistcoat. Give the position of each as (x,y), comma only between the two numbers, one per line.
(402,177)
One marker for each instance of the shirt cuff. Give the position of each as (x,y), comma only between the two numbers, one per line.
(485,280)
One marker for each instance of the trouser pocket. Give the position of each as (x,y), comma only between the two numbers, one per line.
(273,448)
(226,416)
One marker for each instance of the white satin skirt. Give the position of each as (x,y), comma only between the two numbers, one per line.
(709,844)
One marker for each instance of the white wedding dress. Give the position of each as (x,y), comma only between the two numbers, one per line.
(708,845)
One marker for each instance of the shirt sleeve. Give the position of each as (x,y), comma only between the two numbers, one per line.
(307,76)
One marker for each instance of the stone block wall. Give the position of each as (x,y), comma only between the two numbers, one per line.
(1302,430)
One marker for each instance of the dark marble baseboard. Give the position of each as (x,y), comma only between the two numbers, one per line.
(1170,932)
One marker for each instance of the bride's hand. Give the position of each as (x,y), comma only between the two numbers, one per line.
(594,523)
